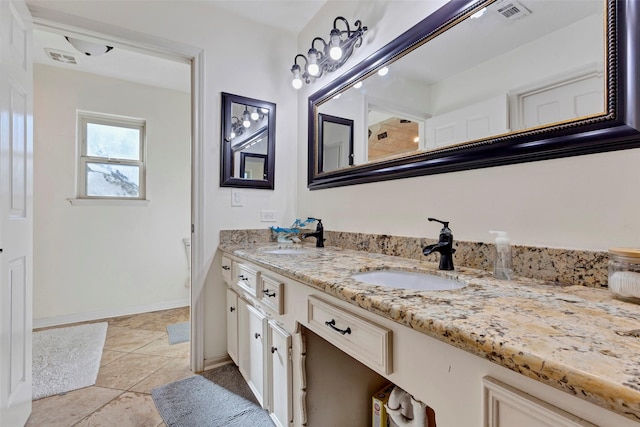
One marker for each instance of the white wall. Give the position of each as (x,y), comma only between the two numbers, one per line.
(98,260)
(242,58)
(585,202)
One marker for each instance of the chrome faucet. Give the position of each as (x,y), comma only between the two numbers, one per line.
(444,246)
(318,234)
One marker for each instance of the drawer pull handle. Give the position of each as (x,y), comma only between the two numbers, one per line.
(332,325)
(273,349)
(257,335)
(266,292)
(243,278)
(226,267)
(232,309)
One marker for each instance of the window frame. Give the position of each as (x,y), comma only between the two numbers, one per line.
(85,118)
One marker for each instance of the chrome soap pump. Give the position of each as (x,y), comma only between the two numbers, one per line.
(503,264)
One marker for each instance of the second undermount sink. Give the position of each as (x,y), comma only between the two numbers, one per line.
(400,279)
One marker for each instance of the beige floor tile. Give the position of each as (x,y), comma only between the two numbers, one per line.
(175,370)
(109,356)
(131,340)
(129,370)
(128,410)
(161,347)
(115,330)
(66,410)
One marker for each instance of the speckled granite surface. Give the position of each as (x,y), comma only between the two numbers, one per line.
(574,338)
(564,266)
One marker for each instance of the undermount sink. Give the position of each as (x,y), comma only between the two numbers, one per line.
(289,251)
(407,280)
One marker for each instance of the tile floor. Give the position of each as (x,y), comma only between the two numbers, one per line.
(136,358)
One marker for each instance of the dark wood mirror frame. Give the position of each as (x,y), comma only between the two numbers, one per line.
(243,161)
(226,155)
(618,129)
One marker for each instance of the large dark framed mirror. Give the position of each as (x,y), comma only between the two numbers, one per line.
(487,83)
(248,142)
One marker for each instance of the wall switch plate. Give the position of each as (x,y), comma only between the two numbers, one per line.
(268,216)
(236,197)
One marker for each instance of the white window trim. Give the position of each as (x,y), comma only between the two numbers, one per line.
(85,117)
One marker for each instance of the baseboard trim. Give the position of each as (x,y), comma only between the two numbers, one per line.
(108,313)
(214,362)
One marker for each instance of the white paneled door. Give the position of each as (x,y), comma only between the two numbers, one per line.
(16,213)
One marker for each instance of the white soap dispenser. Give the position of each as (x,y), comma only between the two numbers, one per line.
(503,266)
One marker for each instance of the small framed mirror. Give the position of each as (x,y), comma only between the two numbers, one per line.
(248,142)
(336,150)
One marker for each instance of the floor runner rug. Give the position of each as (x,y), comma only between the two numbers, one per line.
(66,359)
(217,398)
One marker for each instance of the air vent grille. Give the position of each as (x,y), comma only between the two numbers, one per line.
(512,10)
(62,56)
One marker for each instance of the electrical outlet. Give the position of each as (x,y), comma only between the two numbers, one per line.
(268,216)
(236,197)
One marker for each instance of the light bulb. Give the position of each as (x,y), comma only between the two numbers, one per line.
(255,116)
(245,118)
(416,139)
(383,71)
(358,85)
(233,135)
(313,69)
(297,81)
(335,53)
(265,110)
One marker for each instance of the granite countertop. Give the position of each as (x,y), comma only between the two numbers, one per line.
(577,339)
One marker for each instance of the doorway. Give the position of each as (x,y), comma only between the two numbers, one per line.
(191,58)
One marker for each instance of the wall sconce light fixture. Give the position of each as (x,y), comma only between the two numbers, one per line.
(248,117)
(330,56)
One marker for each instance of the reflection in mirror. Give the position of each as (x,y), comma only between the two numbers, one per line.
(336,151)
(248,146)
(252,166)
(478,76)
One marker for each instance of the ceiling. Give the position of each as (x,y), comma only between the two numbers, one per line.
(288,15)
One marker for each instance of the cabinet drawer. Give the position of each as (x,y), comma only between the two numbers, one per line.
(272,293)
(360,338)
(226,269)
(247,279)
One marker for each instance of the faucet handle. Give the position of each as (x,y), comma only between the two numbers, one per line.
(444,223)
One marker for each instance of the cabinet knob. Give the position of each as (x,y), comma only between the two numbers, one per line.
(226,267)
(243,278)
(257,335)
(232,309)
(274,349)
(268,293)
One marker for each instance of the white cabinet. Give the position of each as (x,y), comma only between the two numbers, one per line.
(251,348)
(279,369)
(232,325)
(506,406)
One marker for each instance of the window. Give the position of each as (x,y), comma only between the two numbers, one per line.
(112,156)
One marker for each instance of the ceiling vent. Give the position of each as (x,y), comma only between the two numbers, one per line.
(512,10)
(61,56)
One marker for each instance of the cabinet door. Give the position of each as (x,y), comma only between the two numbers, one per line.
(280,375)
(251,348)
(232,325)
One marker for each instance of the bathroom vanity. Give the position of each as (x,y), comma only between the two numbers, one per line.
(314,343)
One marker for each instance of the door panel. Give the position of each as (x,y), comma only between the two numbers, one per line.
(16,221)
